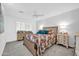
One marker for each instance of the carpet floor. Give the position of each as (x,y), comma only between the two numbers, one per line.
(18,49)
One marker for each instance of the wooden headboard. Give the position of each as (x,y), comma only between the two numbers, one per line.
(54,28)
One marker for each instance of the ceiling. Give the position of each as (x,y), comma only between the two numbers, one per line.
(31,10)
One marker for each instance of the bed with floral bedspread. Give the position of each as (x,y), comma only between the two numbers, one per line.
(42,41)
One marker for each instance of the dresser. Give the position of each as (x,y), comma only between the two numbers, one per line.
(63,38)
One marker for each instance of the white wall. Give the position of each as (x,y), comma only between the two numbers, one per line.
(2,43)
(71,18)
(2,35)
(10,24)
(10,30)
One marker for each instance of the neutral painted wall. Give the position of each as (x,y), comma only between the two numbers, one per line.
(10,27)
(71,18)
(2,35)
(10,31)
(2,43)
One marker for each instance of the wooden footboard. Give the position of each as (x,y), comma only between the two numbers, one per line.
(30,45)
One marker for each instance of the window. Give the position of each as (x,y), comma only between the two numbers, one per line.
(21,26)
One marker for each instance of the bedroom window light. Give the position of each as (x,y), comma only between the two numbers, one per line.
(41,27)
(63,26)
(27,27)
(21,26)
(17,26)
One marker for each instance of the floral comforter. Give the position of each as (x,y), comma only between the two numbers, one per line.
(44,40)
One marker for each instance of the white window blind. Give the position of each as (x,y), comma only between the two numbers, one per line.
(21,26)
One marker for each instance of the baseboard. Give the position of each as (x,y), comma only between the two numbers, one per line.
(64,46)
(71,47)
(11,41)
(3,48)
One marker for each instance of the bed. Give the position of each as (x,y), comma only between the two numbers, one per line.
(38,43)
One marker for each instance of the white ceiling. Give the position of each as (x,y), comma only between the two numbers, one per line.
(27,10)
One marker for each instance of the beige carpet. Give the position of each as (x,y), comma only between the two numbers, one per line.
(18,49)
(58,50)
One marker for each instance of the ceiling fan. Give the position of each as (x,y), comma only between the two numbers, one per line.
(37,14)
